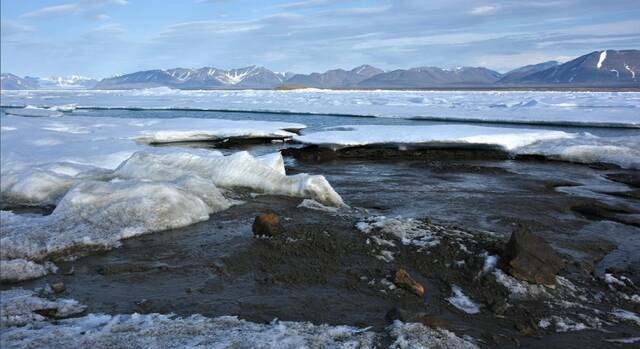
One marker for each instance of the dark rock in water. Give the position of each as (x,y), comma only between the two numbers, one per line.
(267,224)
(402,279)
(58,287)
(530,258)
(420,317)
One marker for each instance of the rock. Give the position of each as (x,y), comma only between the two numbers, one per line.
(530,258)
(408,316)
(402,279)
(58,287)
(267,224)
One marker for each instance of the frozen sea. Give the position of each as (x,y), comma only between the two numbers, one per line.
(529,107)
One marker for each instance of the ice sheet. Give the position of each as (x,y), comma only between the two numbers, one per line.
(559,107)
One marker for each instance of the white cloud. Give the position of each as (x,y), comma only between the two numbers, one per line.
(483,10)
(74,8)
(8,27)
(306,4)
(53,11)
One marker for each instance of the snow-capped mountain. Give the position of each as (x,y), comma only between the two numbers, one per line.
(9,81)
(608,67)
(67,82)
(203,78)
(336,78)
(598,68)
(433,77)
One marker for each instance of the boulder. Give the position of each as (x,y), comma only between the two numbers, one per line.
(402,279)
(267,224)
(530,258)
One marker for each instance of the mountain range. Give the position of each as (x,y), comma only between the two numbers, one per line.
(608,68)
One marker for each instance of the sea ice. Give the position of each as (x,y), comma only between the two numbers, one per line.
(540,107)
(356,135)
(33,112)
(576,147)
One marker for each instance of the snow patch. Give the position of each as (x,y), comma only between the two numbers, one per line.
(626,315)
(418,336)
(15,270)
(20,307)
(314,205)
(601,59)
(462,301)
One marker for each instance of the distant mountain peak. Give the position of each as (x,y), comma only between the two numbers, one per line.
(597,68)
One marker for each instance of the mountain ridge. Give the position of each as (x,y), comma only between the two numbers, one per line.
(598,68)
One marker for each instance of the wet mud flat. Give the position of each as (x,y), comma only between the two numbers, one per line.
(340,267)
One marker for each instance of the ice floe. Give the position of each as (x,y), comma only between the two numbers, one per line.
(106,185)
(575,147)
(541,107)
(356,135)
(32,111)
(146,193)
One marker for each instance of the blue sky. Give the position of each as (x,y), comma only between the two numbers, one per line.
(101,38)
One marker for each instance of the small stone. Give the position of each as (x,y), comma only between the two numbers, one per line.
(530,258)
(267,224)
(58,287)
(402,279)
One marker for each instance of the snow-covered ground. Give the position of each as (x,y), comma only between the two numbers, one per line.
(580,108)
(577,147)
(22,307)
(108,184)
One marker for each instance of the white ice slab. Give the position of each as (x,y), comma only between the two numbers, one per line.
(577,147)
(508,138)
(108,184)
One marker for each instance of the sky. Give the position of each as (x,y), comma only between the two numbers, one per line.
(102,38)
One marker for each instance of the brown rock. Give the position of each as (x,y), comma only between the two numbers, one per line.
(267,224)
(530,258)
(402,279)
